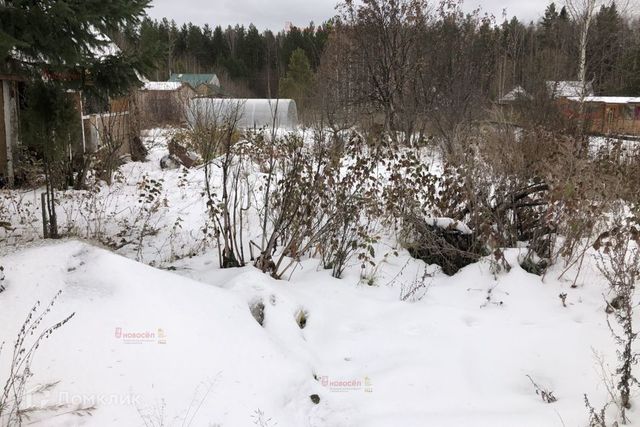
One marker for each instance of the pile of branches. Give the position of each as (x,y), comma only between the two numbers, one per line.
(445,246)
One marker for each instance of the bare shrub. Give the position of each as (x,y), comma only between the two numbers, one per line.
(529,185)
(619,262)
(19,218)
(213,132)
(291,197)
(14,392)
(545,394)
(261,420)
(314,198)
(417,288)
(113,142)
(597,418)
(156,416)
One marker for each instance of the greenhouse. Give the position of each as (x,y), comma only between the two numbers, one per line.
(247,113)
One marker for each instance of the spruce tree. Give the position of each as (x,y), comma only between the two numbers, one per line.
(68,42)
(298,82)
(605,50)
(550,17)
(57,45)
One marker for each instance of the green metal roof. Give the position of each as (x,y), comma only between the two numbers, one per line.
(194,80)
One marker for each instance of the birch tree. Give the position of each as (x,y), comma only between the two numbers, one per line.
(582,12)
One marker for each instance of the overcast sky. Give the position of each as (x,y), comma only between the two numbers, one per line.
(274,14)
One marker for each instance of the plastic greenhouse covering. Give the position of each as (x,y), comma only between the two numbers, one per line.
(248,113)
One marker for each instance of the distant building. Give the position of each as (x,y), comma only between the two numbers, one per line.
(607,115)
(514,95)
(567,89)
(203,84)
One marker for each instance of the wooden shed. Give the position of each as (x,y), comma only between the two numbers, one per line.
(163,103)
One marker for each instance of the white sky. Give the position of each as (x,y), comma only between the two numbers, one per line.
(273,14)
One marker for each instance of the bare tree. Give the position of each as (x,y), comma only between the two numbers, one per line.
(582,11)
(386,37)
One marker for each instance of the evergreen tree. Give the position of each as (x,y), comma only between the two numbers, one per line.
(564,15)
(298,82)
(605,49)
(59,45)
(154,38)
(550,17)
(219,46)
(253,50)
(68,38)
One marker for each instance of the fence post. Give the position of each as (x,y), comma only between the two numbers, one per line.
(45,222)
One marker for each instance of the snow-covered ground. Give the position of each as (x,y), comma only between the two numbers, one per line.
(148,214)
(619,146)
(179,345)
(453,358)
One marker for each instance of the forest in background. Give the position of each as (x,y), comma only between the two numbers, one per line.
(509,53)
(252,60)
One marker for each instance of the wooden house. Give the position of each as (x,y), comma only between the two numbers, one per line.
(203,84)
(607,115)
(604,115)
